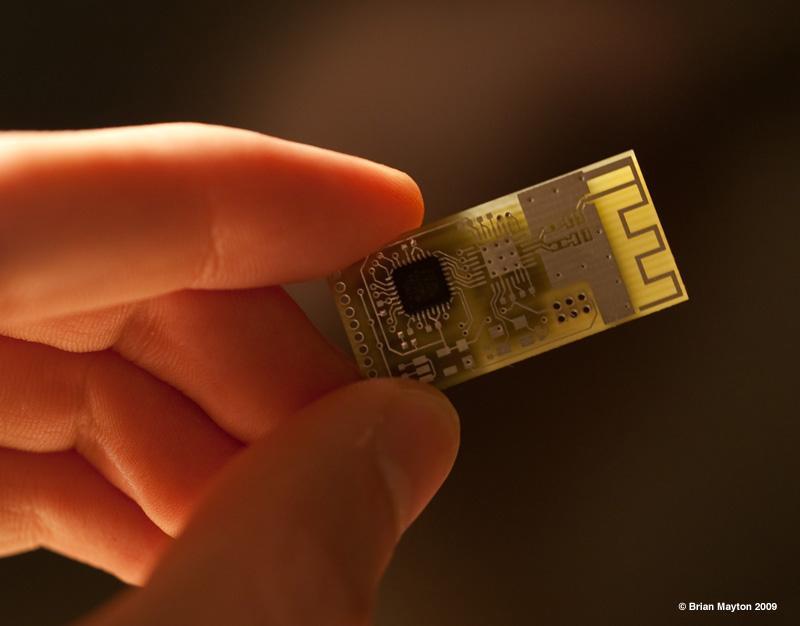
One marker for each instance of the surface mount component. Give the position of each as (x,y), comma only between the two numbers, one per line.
(510,278)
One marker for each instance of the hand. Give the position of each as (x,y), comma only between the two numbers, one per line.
(155,383)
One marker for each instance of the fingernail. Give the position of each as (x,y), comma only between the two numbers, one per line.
(416,443)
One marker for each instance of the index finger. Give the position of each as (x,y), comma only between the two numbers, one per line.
(90,219)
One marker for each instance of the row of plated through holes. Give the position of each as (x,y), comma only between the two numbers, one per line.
(569,301)
(353,325)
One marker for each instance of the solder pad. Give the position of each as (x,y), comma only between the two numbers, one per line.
(511,278)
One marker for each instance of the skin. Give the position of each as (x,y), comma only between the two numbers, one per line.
(167,413)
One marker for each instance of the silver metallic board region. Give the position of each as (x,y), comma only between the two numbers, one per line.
(574,246)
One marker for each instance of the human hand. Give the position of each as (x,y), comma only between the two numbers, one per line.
(157,384)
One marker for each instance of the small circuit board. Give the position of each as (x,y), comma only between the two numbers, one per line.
(510,278)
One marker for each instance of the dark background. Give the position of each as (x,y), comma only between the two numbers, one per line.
(601,483)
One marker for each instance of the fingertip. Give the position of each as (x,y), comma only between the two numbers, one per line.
(416,443)
(343,207)
(387,203)
(410,204)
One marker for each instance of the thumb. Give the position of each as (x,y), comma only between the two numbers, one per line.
(299,528)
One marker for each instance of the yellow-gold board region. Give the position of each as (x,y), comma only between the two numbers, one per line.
(510,278)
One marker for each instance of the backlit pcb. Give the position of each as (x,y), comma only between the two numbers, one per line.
(510,278)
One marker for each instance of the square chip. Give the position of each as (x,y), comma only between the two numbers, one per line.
(421,285)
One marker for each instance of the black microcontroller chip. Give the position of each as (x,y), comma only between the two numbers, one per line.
(421,285)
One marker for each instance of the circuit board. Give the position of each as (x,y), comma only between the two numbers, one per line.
(510,278)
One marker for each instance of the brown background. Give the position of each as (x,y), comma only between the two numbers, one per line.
(604,482)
